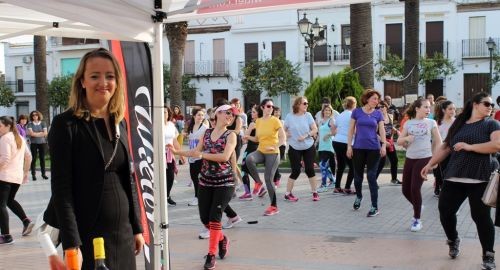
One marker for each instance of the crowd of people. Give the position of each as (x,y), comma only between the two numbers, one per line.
(93,194)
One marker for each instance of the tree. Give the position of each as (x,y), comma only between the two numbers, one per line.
(176,35)
(495,78)
(39,52)
(361,42)
(412,13)
(250,84)
(279,75)
(7,97)
(59,89)
(188,90)
(336,86)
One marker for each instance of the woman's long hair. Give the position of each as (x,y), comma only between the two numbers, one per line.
(439,112)
(464,115)
(9,121)
(194,112)
(412,110)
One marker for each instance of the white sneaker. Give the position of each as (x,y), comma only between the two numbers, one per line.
(416,226)
(194,202)
(231,222)
(204,234)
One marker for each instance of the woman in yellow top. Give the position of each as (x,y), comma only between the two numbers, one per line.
(270,135)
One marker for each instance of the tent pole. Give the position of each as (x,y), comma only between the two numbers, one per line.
(161,260)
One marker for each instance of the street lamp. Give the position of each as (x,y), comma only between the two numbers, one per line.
(310,32)
(491,46)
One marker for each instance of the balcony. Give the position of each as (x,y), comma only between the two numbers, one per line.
(424,48)
(321,53)
(341,53)
(476,48)
(21,86)
(209,68)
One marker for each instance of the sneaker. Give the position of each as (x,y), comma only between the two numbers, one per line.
(315,196)
(322,189)
(488,261)
(357,203)
(396,182)
(171,202)
(204,234)
(45,176)
(331,185)
(194,202)
(416,225)
(34,177)
(28,228)
(373,212)
(223,247)
(6,239)
(262,192)
(454,247)
(256,188)
(271,211)
(231,222)
(337,190)
(189,184)
(246,197)
(348,191)
(277,182)
(291,198)
(209,262)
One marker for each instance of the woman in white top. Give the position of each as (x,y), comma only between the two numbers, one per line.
(196,129)
(445,116)
(421,138)
(340,129)
(170,134)
(14,167)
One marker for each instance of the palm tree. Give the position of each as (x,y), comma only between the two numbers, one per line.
(176,35)
(361,42)
(412,11)
(41,86)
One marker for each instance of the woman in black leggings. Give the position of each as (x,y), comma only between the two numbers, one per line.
(471,142)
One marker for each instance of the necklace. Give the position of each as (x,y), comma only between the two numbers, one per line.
(115,147)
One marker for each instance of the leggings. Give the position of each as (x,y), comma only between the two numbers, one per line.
(412,183)
(342,160)
(370,159)
(327,164)
(170,176)
(451,198)
(393,159)
(40,148)
(271,162)
(296,156)
(7,194)
(277,175)
(194,171)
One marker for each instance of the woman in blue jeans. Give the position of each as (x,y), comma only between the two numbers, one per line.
(367,129)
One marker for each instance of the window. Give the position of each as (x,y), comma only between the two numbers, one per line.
(251,52)
(394,39)
(189,64)
(69,65)
(277,48)
(219,60)
(433,38)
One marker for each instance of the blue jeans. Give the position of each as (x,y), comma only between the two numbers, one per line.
(370,159)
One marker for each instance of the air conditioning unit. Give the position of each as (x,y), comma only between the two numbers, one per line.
(27,59)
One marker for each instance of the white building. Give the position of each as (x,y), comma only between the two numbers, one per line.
(217,49)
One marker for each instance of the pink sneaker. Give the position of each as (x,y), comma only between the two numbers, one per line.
(271,211)
(256,188)
(291,198)
(315,196)
(246,197)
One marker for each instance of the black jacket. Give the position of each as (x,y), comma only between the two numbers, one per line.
(77,172)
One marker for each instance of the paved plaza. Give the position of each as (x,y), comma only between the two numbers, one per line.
(305,235)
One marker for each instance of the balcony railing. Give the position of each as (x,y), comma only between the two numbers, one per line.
(211,68)
(341,52)
(425,49)
(477,48)
(21,86)
(321,54)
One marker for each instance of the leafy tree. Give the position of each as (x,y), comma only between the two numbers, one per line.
(250,84)
(59,89)
(279,75)
(336,86)
(7,97)
(188,91)
(393,66)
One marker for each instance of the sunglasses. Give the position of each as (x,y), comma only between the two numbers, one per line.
(305,103)
(269,106)
(488,104)
(226,112)
(212,119)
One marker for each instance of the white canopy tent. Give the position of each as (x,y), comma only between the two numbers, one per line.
(133,20)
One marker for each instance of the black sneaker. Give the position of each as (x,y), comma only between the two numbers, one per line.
(27,228)
(171,202)
(6,239)
(45,176)
(357,203)
(34,177)
(488,261)
(454,247)
(223,247)
(396,182)
(209,262)
(373,212)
